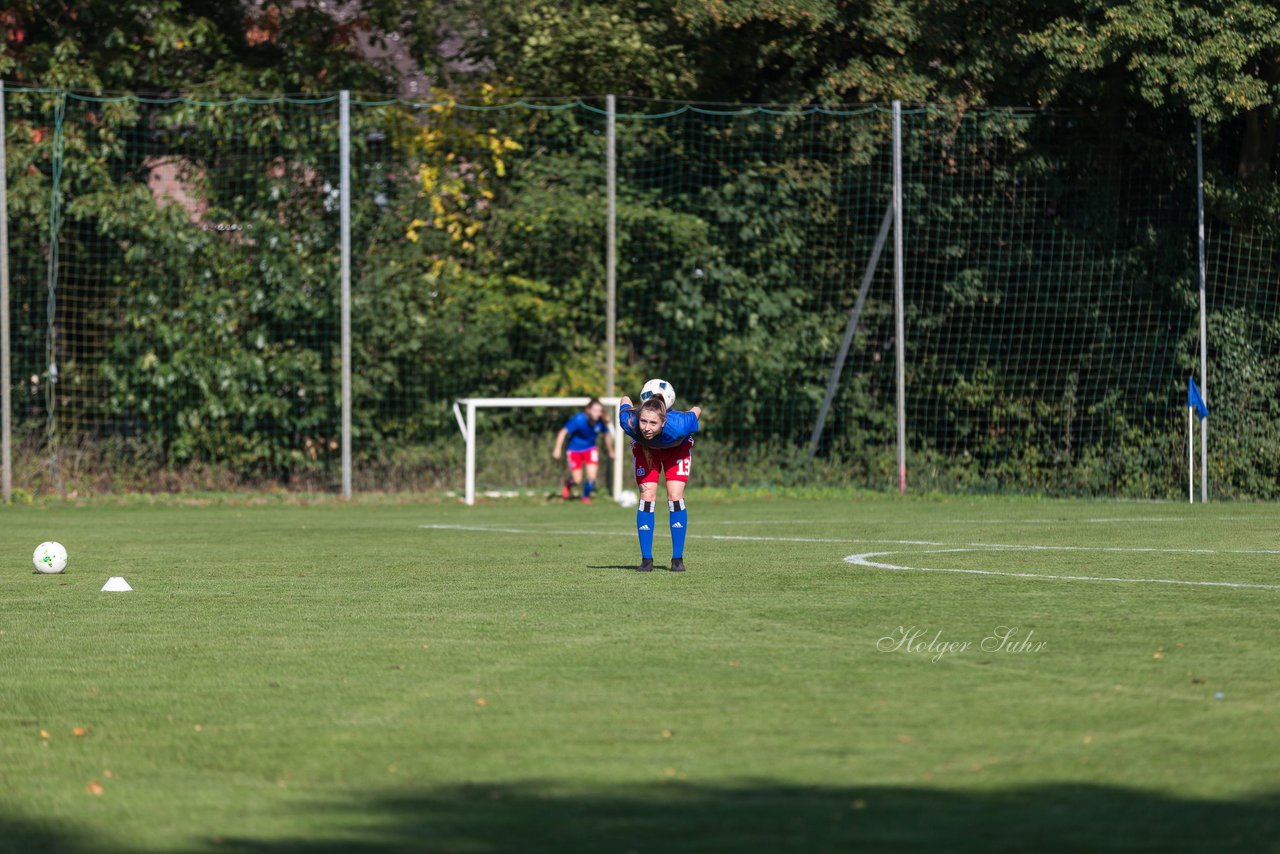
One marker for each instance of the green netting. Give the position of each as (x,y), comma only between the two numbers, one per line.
(744,236)
(196,292)
(30,121)
(1050,284)
(1243,273)
(1051,277)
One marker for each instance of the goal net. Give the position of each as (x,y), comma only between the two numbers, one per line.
(467,409)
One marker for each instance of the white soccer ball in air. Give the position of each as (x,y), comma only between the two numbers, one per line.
(50,557)
(628,498)
(659,387)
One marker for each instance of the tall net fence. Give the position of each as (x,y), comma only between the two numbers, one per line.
(1051,344)
(175,291)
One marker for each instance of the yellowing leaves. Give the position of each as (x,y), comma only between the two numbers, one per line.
(461,162)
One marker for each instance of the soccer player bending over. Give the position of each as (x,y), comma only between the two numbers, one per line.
(583,431)
(661,443)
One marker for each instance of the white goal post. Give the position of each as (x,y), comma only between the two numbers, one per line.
(465,408)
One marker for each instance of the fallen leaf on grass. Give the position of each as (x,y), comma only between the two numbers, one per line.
(94,788)
(79,732)
(481,701)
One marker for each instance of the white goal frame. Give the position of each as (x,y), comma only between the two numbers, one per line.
(467,424)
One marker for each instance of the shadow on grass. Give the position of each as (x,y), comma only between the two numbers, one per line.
(19,836)
(678,817)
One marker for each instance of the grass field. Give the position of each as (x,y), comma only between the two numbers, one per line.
(429,677)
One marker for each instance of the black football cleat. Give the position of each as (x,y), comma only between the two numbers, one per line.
(677,564)
(646,565)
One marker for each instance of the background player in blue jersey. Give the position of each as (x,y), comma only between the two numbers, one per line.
(583,431)
(661,443)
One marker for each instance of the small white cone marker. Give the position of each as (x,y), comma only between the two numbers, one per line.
(116,584)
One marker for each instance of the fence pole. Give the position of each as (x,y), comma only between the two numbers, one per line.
(51,304)
(344,195)
(900,323)
(6,381)
(611,243)
(1204,327)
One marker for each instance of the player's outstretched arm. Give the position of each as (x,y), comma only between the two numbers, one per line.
(555,452)
(697,412)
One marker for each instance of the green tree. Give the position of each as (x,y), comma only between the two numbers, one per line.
(1218,60)
(194,46)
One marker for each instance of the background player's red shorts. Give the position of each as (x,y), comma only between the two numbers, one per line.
(672,462)
(577,459)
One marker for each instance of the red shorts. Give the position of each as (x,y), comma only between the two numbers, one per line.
(577,459)
(672,462)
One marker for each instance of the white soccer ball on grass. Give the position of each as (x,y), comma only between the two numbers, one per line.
(628,498)
(659,387)
(50,557)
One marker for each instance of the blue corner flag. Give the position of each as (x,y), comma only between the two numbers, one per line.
(1194,400)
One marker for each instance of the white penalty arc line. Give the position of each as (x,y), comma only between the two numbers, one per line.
(865,559)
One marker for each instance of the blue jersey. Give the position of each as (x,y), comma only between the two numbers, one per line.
(582,433)
(678,428)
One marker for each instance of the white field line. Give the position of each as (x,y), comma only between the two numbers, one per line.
(1115,520)
(1136,549)
(581,533)
(945,546)
(865,559)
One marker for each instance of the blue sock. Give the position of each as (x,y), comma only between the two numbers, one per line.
(679,527)
(644,527)
(588,487)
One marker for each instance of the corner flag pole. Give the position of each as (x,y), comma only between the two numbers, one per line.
(1191,457)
